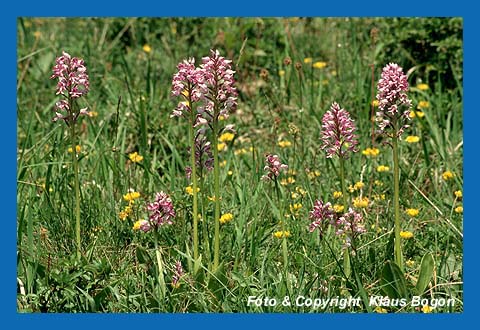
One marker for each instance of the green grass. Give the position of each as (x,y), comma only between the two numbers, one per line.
(130,95)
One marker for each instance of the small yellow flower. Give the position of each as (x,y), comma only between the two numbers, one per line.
(419,114)
(287,181)
(225,218)
(301,191)
(137,224)
(212,198)
(223,163)
(221,146)
(383,168)
(379,197)
(37,34)
(93,114)
(131,196)
(230,173)
(123,215)
(427,309)
(147,48)
(281,234)
(373,152)
(458,194)
(358,185)
(423,87)
(284,144)
(380,310)
(295,207)
(459,209)
(241,151)
(447,175)
(226,137)
(313,174)
(338,208)
(406,234)
(281,73)
(360,202)
(319,65)
(307,60)
(135,157)
(77,149)
(189,190)
(412,212)
(412,139)
(410,263)
(375,103)
(423,104)
(337,194)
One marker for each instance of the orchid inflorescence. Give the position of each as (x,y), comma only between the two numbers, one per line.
(73,83)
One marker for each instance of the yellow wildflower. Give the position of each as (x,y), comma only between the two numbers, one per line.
(189,190)
(281,73)
(130,196)
(423,104)
(37,34)
(338,208)
(360,202)
(378,183)
(230,173)
(423,87)
(379,197)
(284,144)
(281,234)
(135,157)
(410,263)
(212,198)
(459,209)
(337,194)
(412,212)
(147,48)
(383,168)
(301,191)
(313,174)
(137,224)
(319,65)
(373,152)
(380,310)
(427,309)
(295,207)
(225,218)
(358,185)
(406,234)
(221,146)
(307,60)
(223,163)
(458,194)
(412,139)
(93,114)
(419,114)
(77,149)
(291,171)
(375,103)
(447,175)
(226,137)
(287,181)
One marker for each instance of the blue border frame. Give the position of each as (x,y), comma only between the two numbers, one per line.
(244,8)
